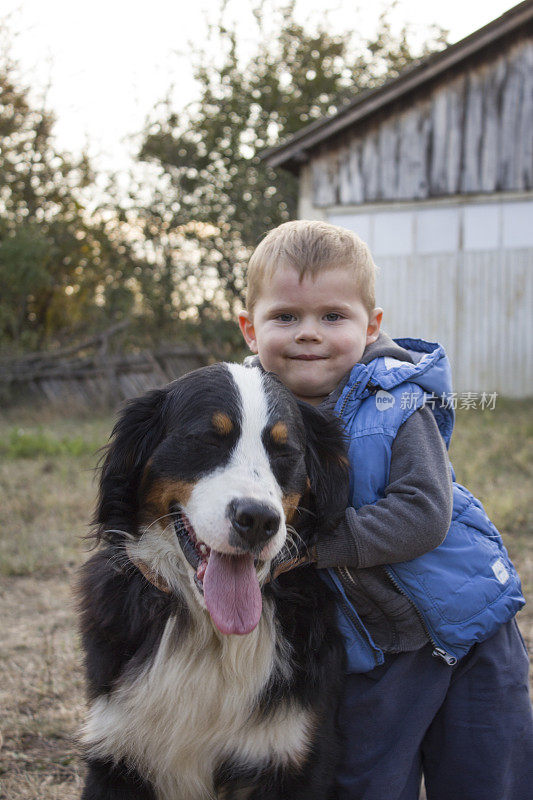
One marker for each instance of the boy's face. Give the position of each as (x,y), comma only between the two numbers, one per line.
(310,333)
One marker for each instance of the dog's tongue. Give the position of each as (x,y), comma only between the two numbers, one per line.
(231,593)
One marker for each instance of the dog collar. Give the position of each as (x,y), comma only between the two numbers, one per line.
(151,576)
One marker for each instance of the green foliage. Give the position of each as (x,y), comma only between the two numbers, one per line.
(21,443)
(58,263)
(214,192)
(22,271)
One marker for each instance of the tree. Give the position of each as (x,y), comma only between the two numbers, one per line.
(57,262)
(174,253)
(214,197)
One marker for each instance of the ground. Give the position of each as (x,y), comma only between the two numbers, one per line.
(47,486)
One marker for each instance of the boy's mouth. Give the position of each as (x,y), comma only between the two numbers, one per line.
(307,358)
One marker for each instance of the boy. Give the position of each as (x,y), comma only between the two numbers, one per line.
(437,669)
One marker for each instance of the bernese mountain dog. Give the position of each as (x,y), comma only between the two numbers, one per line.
(208,677)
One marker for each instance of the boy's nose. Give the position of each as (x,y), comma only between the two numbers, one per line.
(308,333)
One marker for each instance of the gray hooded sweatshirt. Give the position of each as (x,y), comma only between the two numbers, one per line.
(412,519)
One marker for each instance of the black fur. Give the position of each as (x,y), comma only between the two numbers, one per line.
(123,615)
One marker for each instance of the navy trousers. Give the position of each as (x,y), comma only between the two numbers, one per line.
(468,729)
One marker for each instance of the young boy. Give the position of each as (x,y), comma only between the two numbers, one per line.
(437,670)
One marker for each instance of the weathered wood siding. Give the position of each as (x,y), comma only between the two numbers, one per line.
(470,134)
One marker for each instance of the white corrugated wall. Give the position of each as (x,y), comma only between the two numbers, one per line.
(459,273)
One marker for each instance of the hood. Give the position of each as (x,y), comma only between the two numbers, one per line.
(388,363)
(394,361)
(384,346)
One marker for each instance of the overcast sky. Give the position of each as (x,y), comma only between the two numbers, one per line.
(108,62)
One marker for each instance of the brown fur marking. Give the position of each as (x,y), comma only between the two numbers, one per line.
(163,492)
(222,423)
(290,504)
(279,433)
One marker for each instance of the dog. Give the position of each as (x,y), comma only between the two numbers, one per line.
(207,676)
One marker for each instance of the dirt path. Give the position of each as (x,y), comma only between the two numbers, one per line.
(41,690)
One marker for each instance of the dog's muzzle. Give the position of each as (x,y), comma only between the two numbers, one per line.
(228,581)
(253,523)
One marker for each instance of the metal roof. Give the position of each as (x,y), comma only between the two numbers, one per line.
(294,151)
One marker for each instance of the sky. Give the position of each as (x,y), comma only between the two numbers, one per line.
(105,65)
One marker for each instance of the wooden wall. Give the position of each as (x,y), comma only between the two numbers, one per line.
(471,134)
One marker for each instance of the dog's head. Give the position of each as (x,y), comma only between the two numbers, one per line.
(210,477)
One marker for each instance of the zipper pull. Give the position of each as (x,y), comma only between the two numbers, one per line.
(438,652)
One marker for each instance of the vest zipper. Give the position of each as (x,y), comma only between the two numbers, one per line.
(349,612)
(438,651)
(372,388)
(345,401)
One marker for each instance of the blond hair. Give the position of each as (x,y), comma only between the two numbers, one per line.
(311,247)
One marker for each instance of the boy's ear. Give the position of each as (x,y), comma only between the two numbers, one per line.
(248,331)
(374,325)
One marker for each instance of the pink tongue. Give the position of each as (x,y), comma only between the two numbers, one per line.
(231,593)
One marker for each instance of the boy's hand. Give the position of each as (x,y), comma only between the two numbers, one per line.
(309,556)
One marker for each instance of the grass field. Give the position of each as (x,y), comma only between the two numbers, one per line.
(47,487)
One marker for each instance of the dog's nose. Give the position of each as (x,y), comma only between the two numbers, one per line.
(254,522)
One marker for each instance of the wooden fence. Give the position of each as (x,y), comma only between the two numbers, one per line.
(96,380)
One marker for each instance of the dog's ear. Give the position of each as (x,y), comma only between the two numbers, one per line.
(327,465)
(136,434)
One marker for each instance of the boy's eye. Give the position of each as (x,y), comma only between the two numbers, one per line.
(332,316)
(285,317)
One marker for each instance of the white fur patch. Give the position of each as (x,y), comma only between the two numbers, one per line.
(247,475)
(194,708)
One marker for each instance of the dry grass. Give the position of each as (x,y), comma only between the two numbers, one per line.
(47,505)
(47,502)
(42,690)
(49,497)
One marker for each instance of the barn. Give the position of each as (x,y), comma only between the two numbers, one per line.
(434,170)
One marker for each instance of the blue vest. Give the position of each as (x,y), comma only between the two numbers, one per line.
(467,587)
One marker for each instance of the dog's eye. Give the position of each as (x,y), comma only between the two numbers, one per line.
(204,440)
(286,453)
